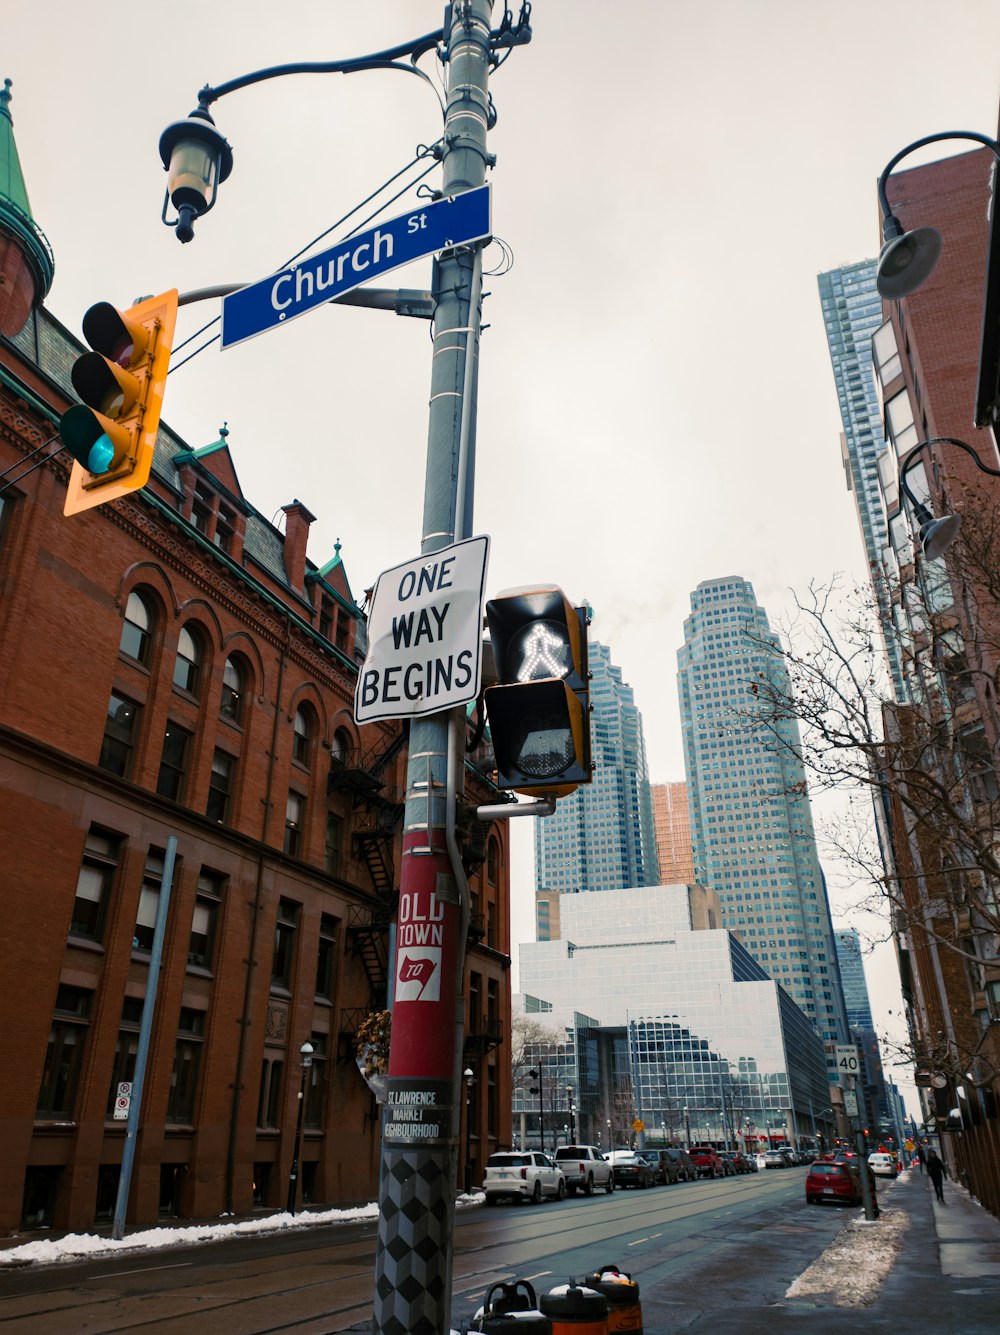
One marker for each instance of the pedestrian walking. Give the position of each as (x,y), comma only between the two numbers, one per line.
(921,1158)
(936,1172)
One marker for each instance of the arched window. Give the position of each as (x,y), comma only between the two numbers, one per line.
(343,746)
(187,664)
(135,638)
(231,706)
(492,861)
(302,736)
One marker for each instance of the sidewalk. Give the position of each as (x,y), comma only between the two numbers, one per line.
(922,1265)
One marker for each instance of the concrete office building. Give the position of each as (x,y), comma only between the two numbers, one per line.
(601,837)
(751,822)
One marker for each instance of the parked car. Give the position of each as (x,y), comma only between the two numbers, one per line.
(585,1167)
(827,1181)
(526,1176)
(775,1159)
(683,1168)
(882,1164)
(741,1164)
(632,1170)
(706,1159)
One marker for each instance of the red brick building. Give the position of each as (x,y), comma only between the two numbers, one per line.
(172,665)
(927,359)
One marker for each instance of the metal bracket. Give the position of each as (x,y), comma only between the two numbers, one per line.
(544,806)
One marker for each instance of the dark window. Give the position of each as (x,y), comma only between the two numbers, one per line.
(316,1083)
(232,692)
(201,511)
(64,1054)
(108,1176)
(187,1059)
(205,919)
(294,812)
(334,841)
(123,1067)
(269,1099)
(979,769)
(224,524)
(220,786)
(284,943)
(492,861)
(301,737)
(343,747)
(326,615)
(120,733)
(135,638)
(343,630)
(39,1200)
(326,959)
(187,663)
(173,762)
(93,887)
(149,902)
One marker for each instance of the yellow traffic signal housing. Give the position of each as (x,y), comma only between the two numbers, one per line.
(540,712)
(111,434)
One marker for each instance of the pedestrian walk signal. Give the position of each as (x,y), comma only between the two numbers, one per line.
(539,713)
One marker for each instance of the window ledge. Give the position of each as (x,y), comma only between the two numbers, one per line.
(85,943)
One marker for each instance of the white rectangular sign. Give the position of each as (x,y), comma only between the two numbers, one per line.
(122,1101)
(847,1060)
(425,633)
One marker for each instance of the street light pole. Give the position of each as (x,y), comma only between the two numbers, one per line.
(468,1075)
(306,1058)
(413,1261)
(687,1129)
(572,1113)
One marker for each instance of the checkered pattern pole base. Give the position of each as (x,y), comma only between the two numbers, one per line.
(413,1266)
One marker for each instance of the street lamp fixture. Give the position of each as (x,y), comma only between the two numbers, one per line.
(936,535)
(467,1075)
(306,1060)
(908,258)
(197,158)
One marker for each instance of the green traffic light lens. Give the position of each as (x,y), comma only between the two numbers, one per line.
(541,649)
(101,455)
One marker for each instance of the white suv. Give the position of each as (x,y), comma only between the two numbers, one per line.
(585,1167)
(527,1176)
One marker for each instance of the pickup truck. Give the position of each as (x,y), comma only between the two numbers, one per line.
(585,1167)
(706,1160)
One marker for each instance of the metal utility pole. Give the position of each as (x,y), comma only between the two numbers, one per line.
(413,1261)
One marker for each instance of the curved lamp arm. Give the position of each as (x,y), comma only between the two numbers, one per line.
(936,535)
(908,258)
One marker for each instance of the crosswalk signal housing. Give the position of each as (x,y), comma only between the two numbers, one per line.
(539,712)
(112,432)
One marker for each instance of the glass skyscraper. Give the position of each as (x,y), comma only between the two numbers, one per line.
(852,315)
(751,821)
(601,837)
(852,974)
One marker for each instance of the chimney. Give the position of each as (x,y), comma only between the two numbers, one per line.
(297,521)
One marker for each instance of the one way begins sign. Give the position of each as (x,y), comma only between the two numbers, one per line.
(425,631)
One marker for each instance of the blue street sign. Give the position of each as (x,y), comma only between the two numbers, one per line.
(314,281)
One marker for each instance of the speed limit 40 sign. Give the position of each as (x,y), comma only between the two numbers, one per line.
(847,1060)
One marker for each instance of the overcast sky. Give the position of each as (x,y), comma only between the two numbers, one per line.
(656,401)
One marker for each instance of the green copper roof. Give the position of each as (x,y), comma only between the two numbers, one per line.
(332,565)
(204,450)
(15,210)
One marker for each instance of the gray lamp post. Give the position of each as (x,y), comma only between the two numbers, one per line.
(687,1128)
(306,1056)
(572,1112)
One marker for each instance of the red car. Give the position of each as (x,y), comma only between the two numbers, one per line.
(706,1160)
(830,1181)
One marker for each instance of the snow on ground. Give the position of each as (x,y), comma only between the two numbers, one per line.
(852,1269)
(46,1251)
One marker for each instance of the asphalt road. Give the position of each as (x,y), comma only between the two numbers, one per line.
(320,1280)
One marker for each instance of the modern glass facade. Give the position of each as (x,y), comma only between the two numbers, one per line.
(751,822)
(678,1019)
(852,315)
(852,973)
(601,837)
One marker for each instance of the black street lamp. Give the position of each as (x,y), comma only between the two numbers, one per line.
(936,535)
(908,258)
(687,1128)
(468,1075)
(306,1055)
(572,1112)
(537,1089)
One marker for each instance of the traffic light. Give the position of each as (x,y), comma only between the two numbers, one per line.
(540,711)
(111,434)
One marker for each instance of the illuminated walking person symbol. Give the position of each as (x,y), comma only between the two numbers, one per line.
(545,654)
